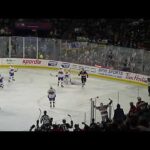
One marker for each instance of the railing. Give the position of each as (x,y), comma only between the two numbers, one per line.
(120,58)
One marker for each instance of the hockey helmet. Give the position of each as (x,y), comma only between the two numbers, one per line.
(11,65)
(101,104)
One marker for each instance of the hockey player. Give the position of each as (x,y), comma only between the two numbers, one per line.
(67,76)
(148,82)
(11,73)
(52,96)
(84,75)
(103,109)
(1,81)
(60,76)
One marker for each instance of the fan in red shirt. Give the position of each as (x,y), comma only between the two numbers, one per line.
(132,110)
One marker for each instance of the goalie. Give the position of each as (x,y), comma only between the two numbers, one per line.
(52,96)
(67,77)
(60,76)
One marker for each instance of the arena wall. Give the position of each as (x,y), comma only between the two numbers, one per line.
(131,78)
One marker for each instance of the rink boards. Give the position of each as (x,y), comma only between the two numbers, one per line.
(110,74)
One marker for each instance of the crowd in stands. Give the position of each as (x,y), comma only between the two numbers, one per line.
(106,56)
(136,120)
(110,43)
(127,32)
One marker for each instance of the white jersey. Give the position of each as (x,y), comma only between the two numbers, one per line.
(61,73)
(51,93)
(67,74)
(103,110)
(11,70)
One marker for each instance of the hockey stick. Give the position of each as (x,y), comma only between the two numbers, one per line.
(70,116)
(112,103)
(94,98)
(85,117)
(51,74)
(39,113)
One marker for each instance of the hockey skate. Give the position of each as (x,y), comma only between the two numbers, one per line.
(2,86)
(62,86)
(83,84)
(50,104)
(53,104)
(13,79)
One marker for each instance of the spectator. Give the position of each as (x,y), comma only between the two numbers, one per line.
(77,128)
(119,116)
(66,126)
(93,125)
(139,104)
(56,128)
(143,125)
(132,110)
(86,127)
(45,121)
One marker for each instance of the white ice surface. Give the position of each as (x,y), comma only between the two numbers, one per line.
(21,99)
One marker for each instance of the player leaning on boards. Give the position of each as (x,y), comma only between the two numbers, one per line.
(84,75)
(103,110)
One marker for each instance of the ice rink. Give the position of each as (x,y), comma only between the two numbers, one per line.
(20,100)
